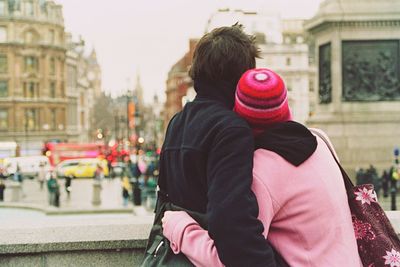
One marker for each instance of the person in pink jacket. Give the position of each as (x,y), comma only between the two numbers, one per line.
(299,187)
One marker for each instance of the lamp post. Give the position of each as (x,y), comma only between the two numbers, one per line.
(128,93)
(137,192)
(26,135)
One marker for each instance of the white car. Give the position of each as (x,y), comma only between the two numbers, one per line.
(29,166)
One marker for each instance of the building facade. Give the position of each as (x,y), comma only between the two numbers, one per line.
(83,87)
(179,84)
(284,49)
(291,60)
(357,44)
(33,100)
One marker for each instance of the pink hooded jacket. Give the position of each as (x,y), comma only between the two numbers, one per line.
(304,211)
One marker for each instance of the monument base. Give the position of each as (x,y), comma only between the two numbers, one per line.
(361,138)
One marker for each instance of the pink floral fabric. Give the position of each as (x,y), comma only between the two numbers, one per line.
(378,244)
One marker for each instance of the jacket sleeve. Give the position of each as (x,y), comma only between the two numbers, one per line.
(232,208)
(187,236)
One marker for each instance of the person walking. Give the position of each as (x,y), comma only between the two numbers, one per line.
(207,157)
(385,183)
(99,172)
(17,174)
(42,174)
(126,188)
(52,188)
(296,180)
(2,189)
(68,181)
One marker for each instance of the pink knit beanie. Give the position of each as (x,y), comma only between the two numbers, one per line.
(262,99)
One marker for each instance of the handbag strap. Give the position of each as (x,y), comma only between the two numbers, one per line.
(347,181)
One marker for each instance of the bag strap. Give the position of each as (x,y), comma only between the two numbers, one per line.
(347,181)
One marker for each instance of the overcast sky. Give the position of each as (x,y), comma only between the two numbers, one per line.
(148,37)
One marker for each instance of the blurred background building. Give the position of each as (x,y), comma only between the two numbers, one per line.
(33,100)
(284,48)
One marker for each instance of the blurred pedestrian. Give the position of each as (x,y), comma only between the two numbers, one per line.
(99,174)
(126,187)
(134,169)
(68,180)
(385,183)
(373,178)
(17,174)
(360,176)
(3,173)
(42,174)
(53,189)
(2,188)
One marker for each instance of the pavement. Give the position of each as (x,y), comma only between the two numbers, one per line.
(80,199)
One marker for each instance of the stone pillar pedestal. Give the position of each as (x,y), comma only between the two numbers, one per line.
(96,199)
(16,191)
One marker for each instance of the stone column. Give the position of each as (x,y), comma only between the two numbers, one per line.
(16,191)
(96,199)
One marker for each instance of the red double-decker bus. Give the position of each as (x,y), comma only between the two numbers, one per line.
(57,152)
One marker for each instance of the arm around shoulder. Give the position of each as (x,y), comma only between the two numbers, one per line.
(232,208)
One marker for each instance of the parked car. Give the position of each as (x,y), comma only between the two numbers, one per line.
(29,165)
(86,168)
(64,167)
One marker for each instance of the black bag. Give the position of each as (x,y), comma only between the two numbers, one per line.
(158,250)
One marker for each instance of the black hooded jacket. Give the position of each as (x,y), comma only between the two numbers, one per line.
(291,140)
(206,166)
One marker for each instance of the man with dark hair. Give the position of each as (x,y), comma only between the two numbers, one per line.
(207,157)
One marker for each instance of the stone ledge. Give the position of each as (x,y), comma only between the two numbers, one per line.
(83,241)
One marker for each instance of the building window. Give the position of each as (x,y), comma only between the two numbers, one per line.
(31,120)
(29,36)
(311,85)
(299,39)
(53,119)
(62,90)
(3,88)
(288,61)
(82,119)
(2,7)
(29,11)
(52,89)
(3,34)
(3,64)
(72,76)
(31,64)
(3,119)
(52,66)
(51,37)
(82,98)
(14,5)
(31,89)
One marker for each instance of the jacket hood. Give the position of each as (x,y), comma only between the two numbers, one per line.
(291,140)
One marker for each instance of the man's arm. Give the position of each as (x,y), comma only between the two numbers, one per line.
(232,208)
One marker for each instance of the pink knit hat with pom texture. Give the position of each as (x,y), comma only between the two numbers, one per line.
(262,99)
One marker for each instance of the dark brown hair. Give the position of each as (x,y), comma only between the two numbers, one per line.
(224,54)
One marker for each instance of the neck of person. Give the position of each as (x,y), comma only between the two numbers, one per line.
(221,91)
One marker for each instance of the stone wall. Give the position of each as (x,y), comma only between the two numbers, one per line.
(115,244)
(119,244)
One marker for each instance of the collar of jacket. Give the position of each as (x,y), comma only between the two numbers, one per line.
(221,91)
(291,140)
